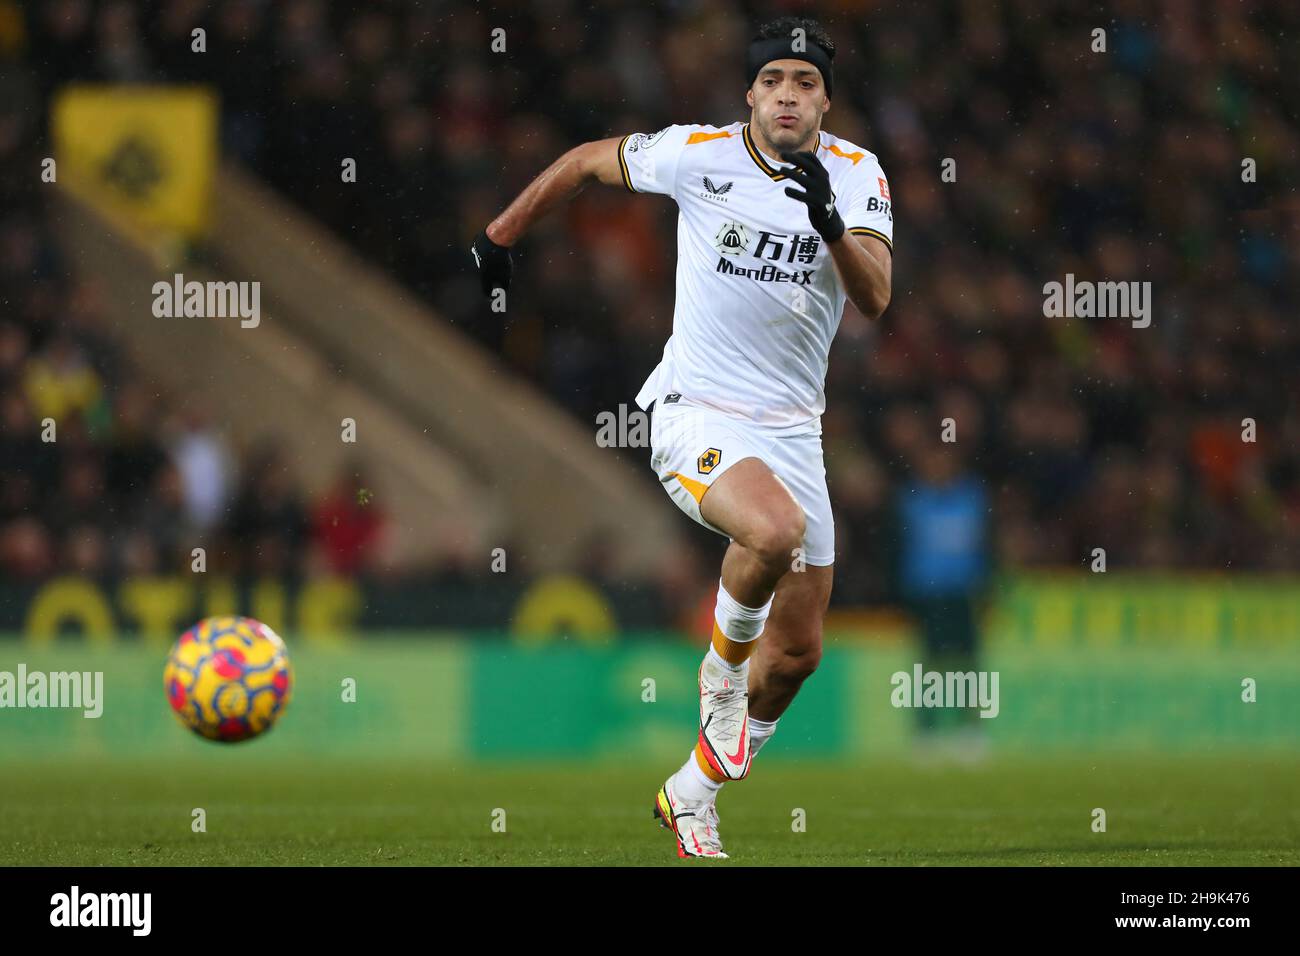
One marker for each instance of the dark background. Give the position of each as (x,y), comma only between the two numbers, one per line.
(1123,165)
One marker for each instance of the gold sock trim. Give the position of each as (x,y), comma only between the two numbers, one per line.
(703,762)
(733,652)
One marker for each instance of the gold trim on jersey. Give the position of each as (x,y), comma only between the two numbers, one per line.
(875,233)
(622,163)
(758,159)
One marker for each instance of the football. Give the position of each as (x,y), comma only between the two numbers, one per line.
(228,678)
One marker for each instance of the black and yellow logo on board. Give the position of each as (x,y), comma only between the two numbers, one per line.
(147,154)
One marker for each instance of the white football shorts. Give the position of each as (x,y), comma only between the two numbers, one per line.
(692,446)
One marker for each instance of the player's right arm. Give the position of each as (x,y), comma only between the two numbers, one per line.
(639,162)
(561,181)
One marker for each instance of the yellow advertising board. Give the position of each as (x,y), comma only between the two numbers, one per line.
(147,154)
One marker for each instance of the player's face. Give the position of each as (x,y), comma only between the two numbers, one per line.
(788,99)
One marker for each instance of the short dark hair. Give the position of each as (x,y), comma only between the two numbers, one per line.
(783,27)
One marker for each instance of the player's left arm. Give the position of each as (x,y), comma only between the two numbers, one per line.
(866,267)
(862,253)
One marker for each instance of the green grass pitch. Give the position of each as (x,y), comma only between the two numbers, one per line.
(1192,810)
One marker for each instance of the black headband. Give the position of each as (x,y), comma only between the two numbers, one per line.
(763,52)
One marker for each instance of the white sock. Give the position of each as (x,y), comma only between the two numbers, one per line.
(692,785)
(738,622)
(760,732)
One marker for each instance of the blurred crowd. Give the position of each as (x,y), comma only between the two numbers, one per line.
(99,476)
(1114,166)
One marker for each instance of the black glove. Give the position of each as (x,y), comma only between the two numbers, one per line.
(493,263)
(817,195)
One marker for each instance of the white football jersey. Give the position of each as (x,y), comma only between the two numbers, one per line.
(758,298)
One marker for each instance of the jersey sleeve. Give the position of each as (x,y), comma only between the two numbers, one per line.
(870,211)
(649,161)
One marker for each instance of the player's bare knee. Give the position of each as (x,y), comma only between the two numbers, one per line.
(775,540)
